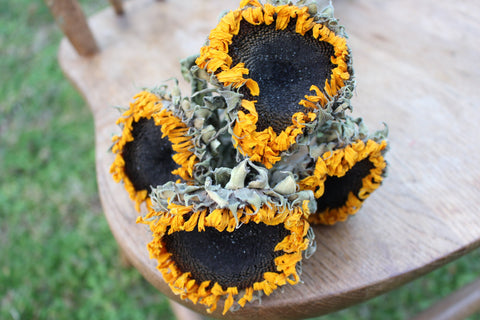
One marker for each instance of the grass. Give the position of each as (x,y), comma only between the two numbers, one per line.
(58,257)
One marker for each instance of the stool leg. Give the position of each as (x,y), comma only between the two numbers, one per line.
(70,18)
(183,313)
(458,305)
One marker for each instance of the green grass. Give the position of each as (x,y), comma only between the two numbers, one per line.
(58,257)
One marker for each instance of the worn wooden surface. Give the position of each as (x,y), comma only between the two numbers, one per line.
(417,69)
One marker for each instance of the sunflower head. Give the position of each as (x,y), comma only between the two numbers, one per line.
(286,63)
(343,172)
(229,240)
(154,147)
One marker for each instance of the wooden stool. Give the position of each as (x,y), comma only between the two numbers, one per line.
(418,70)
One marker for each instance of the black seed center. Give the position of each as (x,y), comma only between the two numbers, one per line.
(233,259)
(285,65)
(148,158)
(337,189)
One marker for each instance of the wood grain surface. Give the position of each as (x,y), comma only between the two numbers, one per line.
(417,68)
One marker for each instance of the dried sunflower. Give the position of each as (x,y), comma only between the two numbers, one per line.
(154,147)
(343,178)
(276,56)
(224,232)
(214,242)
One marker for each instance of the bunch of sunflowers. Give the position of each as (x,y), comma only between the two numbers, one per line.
(234,174)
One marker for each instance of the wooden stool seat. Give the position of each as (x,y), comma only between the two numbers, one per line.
(417,69)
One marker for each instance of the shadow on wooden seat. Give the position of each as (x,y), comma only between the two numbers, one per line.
(413,72)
